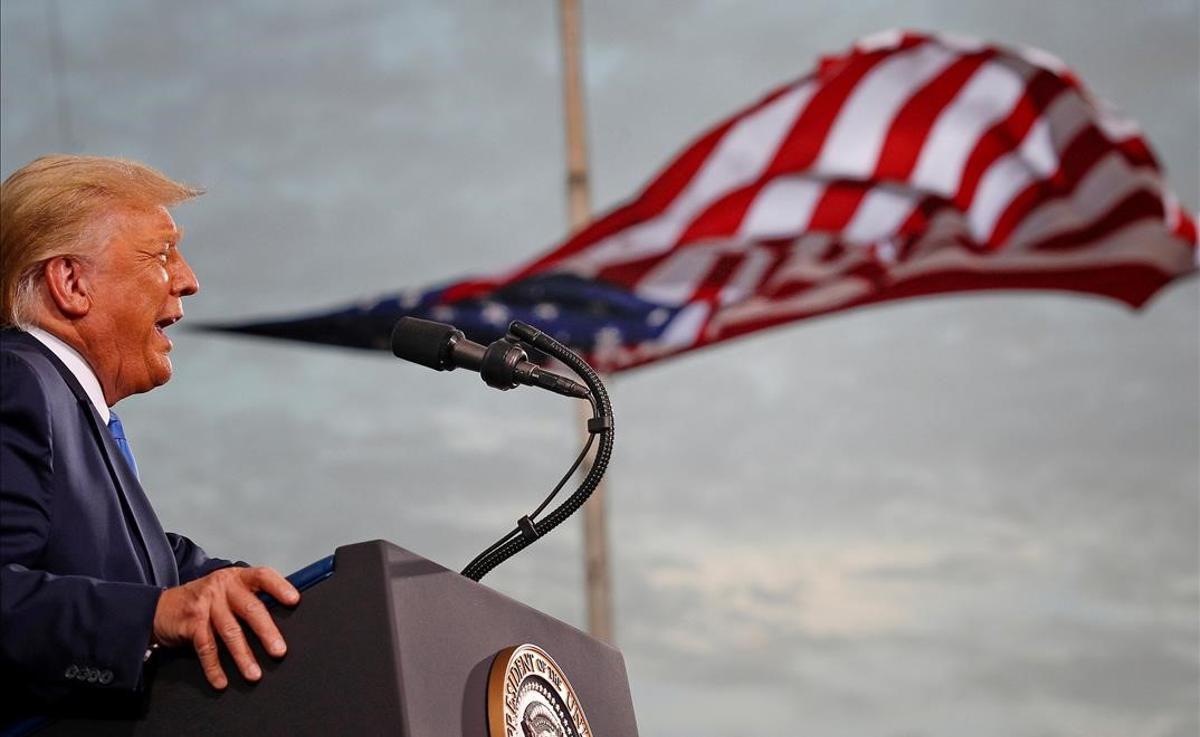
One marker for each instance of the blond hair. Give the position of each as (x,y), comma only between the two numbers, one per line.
(52,206)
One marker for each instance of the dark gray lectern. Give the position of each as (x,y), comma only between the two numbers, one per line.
(390,644)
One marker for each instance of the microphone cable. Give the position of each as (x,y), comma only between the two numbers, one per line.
(532,516)
(528,528)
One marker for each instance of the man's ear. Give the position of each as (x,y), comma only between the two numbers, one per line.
(68,287)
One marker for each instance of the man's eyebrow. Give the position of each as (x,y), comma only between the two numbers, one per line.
(174,236)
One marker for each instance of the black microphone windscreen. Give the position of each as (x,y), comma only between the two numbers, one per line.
(422,341)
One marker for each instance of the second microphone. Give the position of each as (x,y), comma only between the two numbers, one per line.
(502,365)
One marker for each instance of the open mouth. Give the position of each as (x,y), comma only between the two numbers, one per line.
(162,325)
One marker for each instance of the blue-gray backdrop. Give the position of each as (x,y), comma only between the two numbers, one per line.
(969,515)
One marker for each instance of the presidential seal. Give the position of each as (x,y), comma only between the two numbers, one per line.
(529,696)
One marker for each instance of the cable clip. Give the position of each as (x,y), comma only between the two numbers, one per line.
(597,425)
(527,528)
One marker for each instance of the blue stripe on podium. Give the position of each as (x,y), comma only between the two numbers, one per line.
(305,578)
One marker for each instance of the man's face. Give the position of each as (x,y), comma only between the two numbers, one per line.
(137,285)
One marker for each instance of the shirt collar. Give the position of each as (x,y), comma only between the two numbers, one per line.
(79,367)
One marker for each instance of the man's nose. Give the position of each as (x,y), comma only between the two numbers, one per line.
(184,280)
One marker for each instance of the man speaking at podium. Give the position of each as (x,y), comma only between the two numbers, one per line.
(90,277)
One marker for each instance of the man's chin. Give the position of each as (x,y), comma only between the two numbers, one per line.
(165,370)
(159,372)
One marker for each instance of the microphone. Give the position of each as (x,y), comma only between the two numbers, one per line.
(503,364)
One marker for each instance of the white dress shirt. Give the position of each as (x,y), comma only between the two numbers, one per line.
(79,367)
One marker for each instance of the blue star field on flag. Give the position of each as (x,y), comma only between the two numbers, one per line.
(585,315)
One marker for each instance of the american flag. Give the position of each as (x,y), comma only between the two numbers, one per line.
(911,164)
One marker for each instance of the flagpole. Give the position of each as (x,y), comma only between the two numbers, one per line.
(595,521)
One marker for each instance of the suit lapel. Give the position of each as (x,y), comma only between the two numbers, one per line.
(154,552)
(145,522)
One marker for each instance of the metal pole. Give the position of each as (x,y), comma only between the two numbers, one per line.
(58,76)
(595,520)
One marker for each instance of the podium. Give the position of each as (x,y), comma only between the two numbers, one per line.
(388,644)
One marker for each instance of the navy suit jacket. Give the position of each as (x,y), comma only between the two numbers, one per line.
(83,558)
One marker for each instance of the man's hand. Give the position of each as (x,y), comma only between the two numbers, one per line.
(198,612)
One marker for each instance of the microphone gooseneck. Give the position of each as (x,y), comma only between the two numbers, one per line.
(529,528)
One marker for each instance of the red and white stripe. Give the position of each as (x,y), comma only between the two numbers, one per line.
(912,164)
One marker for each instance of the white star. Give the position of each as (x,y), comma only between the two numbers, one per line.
(495,314)
(657,317)
(545,310)
(443,312)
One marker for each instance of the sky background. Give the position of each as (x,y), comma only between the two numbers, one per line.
(965,515)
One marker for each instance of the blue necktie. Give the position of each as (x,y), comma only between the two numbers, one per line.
(118,433)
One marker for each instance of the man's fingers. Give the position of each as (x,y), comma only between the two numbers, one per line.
(214,607)
(270,581)
(226,625)
(254,612)
(206,650)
